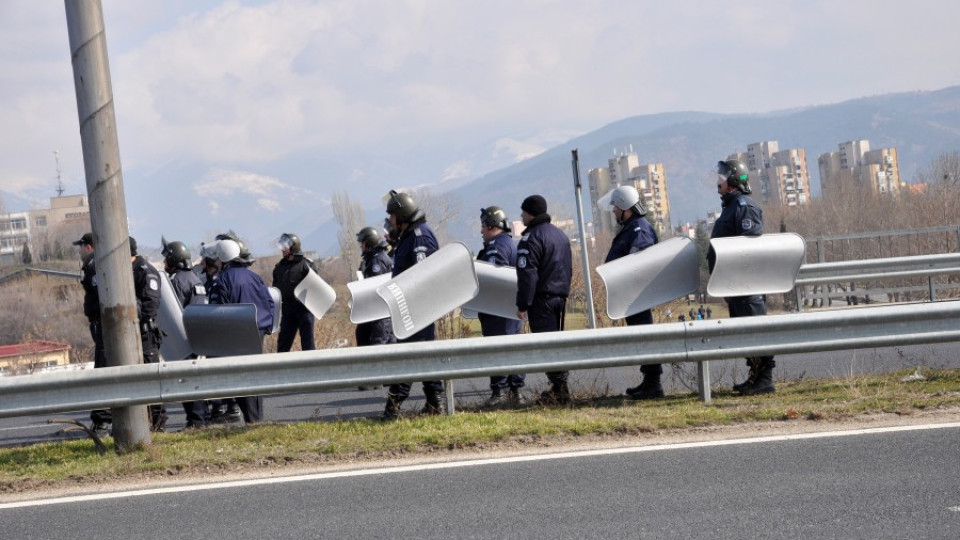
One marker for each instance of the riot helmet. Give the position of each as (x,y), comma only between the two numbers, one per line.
(627,198)
(735,173)
(401,205)
(244,251)
(369,237)
(289,241)
(176,254)
(495,218)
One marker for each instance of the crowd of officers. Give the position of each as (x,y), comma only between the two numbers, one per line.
(542,258)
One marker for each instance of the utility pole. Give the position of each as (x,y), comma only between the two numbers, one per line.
(108,211)
(587,281)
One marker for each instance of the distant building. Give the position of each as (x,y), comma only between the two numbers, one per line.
(777,177)
(48,231)
(26,358)
(625,169)
(857,169)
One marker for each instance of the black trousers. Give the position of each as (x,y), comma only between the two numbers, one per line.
(546,315)
(645,317)
(295,317)
(751,306)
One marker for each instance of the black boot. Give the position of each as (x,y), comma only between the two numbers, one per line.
(751,377)
(434,404)
(650,388)
(558,394)
(762,384)
(392,410)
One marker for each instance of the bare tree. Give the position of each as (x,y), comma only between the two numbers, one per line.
(349,216)
(441,211)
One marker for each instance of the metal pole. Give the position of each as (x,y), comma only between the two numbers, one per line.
(108,213)
(577,187)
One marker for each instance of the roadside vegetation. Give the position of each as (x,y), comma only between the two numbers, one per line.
(272,448)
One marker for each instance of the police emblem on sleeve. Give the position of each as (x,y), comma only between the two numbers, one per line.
(421,256)
(376,268)
(746,224)
(154,285)
(522,262)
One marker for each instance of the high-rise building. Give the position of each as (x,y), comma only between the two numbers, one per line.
(777,177)
(625,169)
(857,169)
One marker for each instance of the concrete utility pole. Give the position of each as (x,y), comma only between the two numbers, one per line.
(585,259)
(108,211)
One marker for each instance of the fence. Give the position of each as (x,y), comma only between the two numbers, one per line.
(694,341)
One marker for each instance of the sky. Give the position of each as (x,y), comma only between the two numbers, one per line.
(269,107)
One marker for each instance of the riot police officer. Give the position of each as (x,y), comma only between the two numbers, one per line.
(188,289)
(374,261)
(635,235)
(146,287)
(742,217)
(101,419)
(292,268)
(544,269)
(499,249)
(236,284)
(415,242)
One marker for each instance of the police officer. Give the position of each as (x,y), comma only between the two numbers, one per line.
(500,250)
(415,242)
(146,287)
(292,268)
(544,268)
(742,217)
(101,419)
(236,284)
(188,289)
(374,261)
(635,235)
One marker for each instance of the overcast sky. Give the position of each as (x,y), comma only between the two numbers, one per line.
(237,84)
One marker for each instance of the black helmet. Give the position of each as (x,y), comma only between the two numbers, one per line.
(369,237)
(176,254)
(495,217)
(735,173)
(289,241)
(401,205)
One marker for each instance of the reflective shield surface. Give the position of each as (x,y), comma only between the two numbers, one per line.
(432,288)
(175,345)
(365,305)
(648,278)
(749,265)
(222,330)
(498,291)
(315,294)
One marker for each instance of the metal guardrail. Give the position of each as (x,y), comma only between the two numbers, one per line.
(870,269)
(693,341)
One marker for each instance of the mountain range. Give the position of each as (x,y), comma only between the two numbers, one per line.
(921,125)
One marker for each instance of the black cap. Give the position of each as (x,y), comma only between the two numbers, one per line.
(534,205)
(86,239)
(133,246)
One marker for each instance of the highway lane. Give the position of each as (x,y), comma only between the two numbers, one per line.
(351,403)
(890,483)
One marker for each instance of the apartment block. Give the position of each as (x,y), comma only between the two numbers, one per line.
(45,230)
(625,169)
(857,169)
(777,177)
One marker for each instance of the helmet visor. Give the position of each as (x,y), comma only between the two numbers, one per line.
(284,243)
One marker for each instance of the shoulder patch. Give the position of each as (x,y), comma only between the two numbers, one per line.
(522,262)
(153,283)
(746,224)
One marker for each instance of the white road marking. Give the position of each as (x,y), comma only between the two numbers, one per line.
(471,463)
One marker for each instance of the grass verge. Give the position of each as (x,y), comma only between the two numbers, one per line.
(221,451)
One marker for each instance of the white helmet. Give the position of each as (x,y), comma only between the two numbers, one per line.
(226,250)
(624,198)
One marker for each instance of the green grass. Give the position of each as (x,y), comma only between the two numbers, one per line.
(225,450)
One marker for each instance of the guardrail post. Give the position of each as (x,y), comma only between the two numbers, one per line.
(933,288)
(703,380)
(449,403)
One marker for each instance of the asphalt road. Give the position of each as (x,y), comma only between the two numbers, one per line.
(875,485)
(351,403)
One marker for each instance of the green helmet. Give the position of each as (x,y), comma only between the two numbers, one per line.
(735,173)
(369,237)
(401,205)
(177,255)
